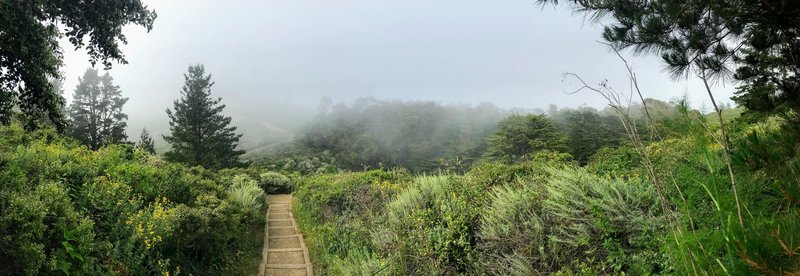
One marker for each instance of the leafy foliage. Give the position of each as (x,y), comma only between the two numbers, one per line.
(200,134)
(118,210)
(337,212)
(275,183)
(29,33)
(430,226)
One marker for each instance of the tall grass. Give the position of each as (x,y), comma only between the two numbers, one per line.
(246,192)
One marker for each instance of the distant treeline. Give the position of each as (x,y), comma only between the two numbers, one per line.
(428,136)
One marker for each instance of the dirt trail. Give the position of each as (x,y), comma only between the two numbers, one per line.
(284,252)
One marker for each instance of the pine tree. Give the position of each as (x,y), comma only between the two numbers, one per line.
(200,134)
(146,142)
(96,111)
(755,43)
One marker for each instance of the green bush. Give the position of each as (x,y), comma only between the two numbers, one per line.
(275,183)
(546,226)
(67,210)
(512,231)
(246,193)
(429,228)
(337,214)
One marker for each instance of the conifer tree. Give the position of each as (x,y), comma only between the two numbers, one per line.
(200,134)
(146,142)
(755,43)
(95,114)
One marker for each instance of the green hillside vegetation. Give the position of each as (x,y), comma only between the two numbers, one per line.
(120,210)
(547,213)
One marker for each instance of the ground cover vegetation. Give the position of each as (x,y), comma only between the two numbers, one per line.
(548,212)
(120,210)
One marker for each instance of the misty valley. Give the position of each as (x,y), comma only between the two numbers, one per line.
(414,138)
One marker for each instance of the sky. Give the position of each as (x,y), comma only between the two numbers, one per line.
(273,61)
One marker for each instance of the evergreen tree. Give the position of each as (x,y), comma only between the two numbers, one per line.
(30,53)
(96,111)
(146,142)
(760,39)
(519,136)
(200,134)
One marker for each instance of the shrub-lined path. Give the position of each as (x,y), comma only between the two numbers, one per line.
(284,252)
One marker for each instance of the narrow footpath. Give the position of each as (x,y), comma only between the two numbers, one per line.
(284,252)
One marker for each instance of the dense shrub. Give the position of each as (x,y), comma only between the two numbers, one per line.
(119,210)
(429,228)
(337,214)
(245,192)
(275,183)
(571,218)
(489,174)
(618,162)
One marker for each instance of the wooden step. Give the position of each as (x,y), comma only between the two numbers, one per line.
(285,249)
(281,227)
(286,266)
(284,236)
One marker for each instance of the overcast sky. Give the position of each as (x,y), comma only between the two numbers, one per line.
(273,61)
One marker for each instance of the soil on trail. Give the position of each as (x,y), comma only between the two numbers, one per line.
(284,252)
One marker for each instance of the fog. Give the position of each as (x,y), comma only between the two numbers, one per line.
(274,61)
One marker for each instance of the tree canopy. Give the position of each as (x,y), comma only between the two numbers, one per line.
(30,54)
(519,136)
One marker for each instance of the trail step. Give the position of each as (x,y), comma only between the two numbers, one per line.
(284,251)
(286,266)
(284,236)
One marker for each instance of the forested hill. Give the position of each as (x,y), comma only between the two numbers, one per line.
(428,136)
